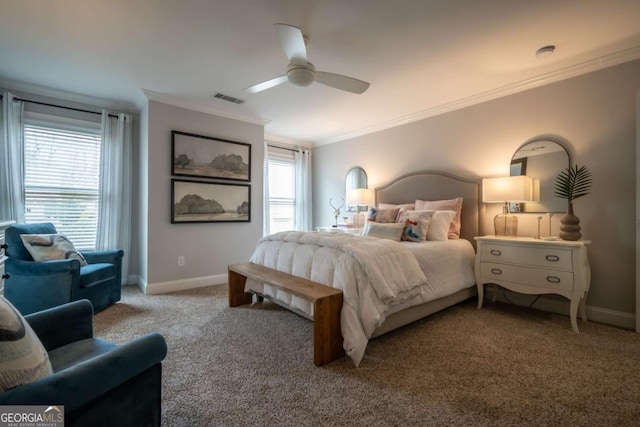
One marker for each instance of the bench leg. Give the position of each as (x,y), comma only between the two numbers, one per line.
(327,338)
(237,295)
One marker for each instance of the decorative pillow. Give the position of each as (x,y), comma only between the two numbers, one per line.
(23,359)
(46,247)
(391,231)
(403,208)
(445,205)
(383,215)
(416,225)
(439,227)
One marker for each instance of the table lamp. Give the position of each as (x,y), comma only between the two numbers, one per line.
(504,190)
(360,198)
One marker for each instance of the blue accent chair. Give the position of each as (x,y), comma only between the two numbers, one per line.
(98,382)
(34,286)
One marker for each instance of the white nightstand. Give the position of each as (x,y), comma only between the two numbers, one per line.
(533,266)
(330,229)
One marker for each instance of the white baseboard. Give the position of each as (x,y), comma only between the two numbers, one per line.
(181,285)
(559,305)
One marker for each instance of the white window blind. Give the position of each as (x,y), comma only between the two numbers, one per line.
(62,174)
(282,190)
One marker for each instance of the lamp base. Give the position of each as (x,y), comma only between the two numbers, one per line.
(505,225)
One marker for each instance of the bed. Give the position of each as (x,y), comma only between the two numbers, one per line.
(386,284)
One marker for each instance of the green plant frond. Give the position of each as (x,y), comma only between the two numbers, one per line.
(573,182)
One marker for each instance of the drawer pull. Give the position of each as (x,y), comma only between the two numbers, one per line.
(496,271)
(5,276)
(553,279)
(495,252)
(552,258)
(4,246)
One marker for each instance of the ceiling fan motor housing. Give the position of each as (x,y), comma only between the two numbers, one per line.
(301,74)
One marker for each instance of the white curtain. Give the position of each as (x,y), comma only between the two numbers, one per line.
(12,160)
(265,197)
(114,212)
(303,190)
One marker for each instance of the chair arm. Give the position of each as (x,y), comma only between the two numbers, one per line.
(63,324)
(41,268)
(87,381)
(111,257)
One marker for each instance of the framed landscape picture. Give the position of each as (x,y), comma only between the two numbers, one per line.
(194,201)
(208,157)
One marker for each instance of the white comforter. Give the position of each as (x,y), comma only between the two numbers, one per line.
(377,277)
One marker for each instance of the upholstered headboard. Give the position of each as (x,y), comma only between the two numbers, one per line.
(435,185)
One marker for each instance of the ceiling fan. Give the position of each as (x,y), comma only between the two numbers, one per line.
(301,72)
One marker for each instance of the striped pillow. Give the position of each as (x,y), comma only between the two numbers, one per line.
(23,359)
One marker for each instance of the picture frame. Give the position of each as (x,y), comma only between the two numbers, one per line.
(199,201)
(208,157)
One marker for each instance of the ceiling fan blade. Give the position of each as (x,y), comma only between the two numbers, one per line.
(266,85)
(341,82)
(292,42)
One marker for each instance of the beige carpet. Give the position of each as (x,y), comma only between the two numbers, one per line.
(499,366)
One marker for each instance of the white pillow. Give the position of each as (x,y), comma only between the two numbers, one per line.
(47,247)
(439,226)
(23,359)
(384,230)
(445,205)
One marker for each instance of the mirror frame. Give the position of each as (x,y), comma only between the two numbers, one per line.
(523,164)
(363,175)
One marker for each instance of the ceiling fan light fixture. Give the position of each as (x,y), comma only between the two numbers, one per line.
(301,75)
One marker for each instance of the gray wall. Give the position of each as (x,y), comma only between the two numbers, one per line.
(594,114)
(208,248)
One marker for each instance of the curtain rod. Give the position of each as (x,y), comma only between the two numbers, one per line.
(282,148)
(59,106)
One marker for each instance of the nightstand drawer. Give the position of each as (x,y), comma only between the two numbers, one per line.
(552,279)
(527,255)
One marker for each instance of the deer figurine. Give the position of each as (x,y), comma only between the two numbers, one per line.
(336,210)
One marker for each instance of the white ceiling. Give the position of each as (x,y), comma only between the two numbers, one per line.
(422,57)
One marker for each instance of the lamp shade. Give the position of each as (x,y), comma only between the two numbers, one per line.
(508,189)
(360,196)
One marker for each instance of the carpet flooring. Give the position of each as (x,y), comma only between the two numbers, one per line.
(503,365)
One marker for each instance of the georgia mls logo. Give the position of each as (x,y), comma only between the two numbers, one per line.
(31,416)
(53,408)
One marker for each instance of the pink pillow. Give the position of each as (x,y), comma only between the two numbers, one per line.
(445,205)
(383,215)
(402,208)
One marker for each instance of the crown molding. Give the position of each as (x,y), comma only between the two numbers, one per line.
(534,82)
(177,101)
(38,90)
(288,141)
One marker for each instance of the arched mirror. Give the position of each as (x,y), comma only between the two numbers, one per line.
(542,160)
(356,178)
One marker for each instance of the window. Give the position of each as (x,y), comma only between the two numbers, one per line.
(61,177)
(282,190)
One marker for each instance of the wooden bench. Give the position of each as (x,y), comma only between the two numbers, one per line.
(327,304)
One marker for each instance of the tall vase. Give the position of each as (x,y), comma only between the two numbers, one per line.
(570,228)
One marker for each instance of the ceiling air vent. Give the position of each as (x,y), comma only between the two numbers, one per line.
(228,98)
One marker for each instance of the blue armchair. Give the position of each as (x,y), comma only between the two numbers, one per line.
(33,286)
(99,383)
